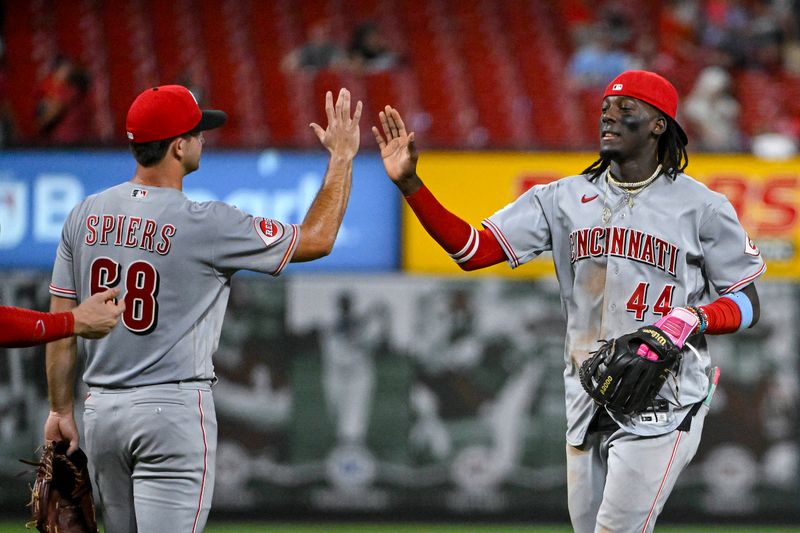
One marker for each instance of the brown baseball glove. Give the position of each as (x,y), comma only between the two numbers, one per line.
(61,499)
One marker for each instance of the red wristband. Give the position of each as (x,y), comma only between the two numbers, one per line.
(723,315)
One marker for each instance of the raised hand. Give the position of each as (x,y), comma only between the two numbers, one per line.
(342,136)
(398,151)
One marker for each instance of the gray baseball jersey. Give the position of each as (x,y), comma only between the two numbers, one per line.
(173,259)
(150,422)
(623,261)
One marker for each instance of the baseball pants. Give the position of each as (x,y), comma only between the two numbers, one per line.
(620,482)
(152,455)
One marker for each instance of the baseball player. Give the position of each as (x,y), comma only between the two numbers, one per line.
(150,425)
(92,319)
(632,238)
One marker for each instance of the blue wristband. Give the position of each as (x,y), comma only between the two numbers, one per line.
(745,306)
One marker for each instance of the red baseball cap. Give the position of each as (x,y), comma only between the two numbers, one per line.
(168,111)
(651,88)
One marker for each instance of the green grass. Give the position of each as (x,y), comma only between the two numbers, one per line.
(462,528)
(268,527)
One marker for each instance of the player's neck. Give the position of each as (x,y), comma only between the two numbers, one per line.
(632,171)
(159,176)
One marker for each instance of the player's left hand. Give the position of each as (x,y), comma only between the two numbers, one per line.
(62,427)
(342,136)
(398,151)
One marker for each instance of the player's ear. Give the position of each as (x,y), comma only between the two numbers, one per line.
(660,126)
(178,147)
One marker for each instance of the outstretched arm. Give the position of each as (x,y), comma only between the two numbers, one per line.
(92,319)
(341,138)
(470,248)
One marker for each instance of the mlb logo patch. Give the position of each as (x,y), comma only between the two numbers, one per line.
(750,247)
(617,87)
(270,231)
(139,193)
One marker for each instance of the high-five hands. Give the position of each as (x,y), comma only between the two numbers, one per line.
(398,151)
(342,136)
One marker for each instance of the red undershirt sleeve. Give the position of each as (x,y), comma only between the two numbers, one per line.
(470,248)
(22,327)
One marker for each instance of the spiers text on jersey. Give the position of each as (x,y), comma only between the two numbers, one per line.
(623,242)
(130,232)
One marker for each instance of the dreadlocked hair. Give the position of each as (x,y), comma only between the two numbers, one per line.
(671,154)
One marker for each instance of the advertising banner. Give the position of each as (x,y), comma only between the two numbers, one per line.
(38,189)
(475,185)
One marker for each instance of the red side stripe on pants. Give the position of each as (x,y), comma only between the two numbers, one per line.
(663,480)
(205,459)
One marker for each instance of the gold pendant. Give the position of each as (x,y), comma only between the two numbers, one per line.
(629,200)
(606,216)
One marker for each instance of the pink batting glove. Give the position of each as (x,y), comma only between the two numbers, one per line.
(678,324)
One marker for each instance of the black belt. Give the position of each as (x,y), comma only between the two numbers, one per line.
(602,421)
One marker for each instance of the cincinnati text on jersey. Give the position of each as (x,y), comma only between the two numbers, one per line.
(130,232)
(626,243)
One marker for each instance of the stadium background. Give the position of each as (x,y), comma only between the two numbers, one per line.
(451,379)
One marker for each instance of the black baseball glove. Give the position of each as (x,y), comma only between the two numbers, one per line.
(61,498)
(623,381)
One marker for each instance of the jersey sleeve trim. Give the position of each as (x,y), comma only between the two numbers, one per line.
(63,293)
(469,249)
(289,251)
(504,244)
(745,281)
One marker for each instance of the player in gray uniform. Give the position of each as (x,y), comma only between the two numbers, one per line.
(149,418)
(632,237)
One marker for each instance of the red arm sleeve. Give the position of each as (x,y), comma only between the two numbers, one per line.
(21,327)
(470,248)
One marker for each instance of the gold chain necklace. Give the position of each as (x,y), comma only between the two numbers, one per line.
(632,189)
(636,185)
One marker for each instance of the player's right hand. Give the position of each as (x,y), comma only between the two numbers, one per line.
(98,315)
(342,136)
(62,426)
(398,151)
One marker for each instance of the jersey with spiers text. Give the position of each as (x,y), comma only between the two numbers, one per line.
(173,260)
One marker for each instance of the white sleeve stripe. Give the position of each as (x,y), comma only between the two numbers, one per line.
(473,235)
(471,252)
(503,242)
(65,293)
(741,283)
(289,251)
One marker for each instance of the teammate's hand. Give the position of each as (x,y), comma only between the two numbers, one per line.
(398,150)
(61,426)
(96,316)
(342,137)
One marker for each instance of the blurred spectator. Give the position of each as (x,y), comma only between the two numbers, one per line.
(63,114)
(766,37)
(711,111)
(369,51)
(727,24)
(677,33)
(598,61)
(319,52)
(613,16)
(578,18)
